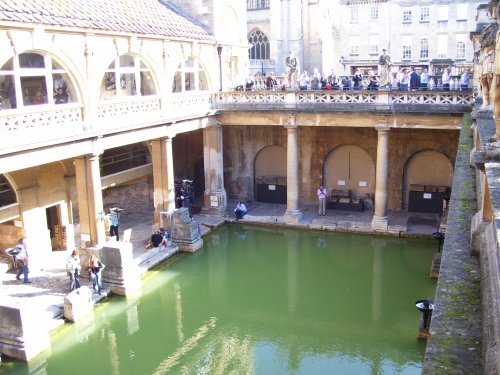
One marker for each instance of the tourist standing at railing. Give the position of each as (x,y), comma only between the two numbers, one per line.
(464,80)
(304,80)
(401,76)
(403,86)
(271,82)
(249,84)
(373,81)
(414,80)
(315,80)
(333,81)
(345,82)
(424,80)
(357,79)
(324,82)
(394,81)
(446,78)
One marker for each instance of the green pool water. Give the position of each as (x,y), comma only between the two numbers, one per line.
(260,301)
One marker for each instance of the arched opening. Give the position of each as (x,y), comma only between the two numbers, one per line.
(34,78)
(270,175)
(427,180)
(350,168)
(120,159)
(7,192)
(127,75)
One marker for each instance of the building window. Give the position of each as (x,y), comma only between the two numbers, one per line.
(260,46)
(190,76)
(442,16)
(374,13)
(462,12)
(30,79)
(373,44)
(424,14)
(461,46)
(407,16)
(127,76)
(442,46)
(354,45)
(406,46)
(354,14)
(257,4)
(424,48)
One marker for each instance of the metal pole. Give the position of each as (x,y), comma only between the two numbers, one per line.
(219,51)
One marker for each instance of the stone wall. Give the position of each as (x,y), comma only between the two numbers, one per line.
(138,195)
(243,143)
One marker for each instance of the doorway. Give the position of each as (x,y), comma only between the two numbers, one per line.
(56,229)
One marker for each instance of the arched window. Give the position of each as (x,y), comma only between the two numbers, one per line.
(260,46)
(34,79)
(132,75)
(190,76)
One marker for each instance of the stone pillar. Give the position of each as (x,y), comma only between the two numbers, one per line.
(292,214)
(215,199)
(90,206)
(120,274)
(185,233)
(163,176)
(380,222)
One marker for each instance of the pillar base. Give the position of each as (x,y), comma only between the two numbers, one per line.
(292,216)
(215,202)
(185,231)
(380,223)
(120,274)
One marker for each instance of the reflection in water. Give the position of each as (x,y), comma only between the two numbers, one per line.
(279,302)
(187,346)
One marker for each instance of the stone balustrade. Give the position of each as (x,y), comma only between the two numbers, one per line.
(35,126)
(343,100)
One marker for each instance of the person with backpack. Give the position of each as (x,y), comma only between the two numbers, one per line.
(22,257)
(73,268)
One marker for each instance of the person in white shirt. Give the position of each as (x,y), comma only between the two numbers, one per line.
(240,210)
(321,200)
(446,78)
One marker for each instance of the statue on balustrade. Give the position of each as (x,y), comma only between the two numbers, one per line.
(384,63)
(488,39)
(292,69)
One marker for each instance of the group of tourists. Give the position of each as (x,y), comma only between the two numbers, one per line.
(74,267)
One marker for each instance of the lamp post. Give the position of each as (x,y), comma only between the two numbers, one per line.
(342,62)
(219,52)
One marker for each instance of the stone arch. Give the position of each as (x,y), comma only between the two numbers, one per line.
(8,191)
(270,168)
(349,167)
(426,171)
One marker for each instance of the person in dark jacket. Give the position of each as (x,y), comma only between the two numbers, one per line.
(414,79)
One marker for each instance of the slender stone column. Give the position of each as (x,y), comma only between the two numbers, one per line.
(292,214)
(215,199)
(163,176)
(380,221)
(90,206)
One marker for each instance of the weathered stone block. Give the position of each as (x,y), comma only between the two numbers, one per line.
(78,304)
(185,232)
(21,334)
(120,273)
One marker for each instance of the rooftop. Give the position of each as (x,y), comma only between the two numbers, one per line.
(151,17)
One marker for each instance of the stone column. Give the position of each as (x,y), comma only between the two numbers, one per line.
(292,214)
(380,221)
(163,176)
(215,199)
(90,205)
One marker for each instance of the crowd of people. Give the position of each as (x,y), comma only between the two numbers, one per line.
(405,79)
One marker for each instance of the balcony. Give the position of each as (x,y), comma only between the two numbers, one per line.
(346,101)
